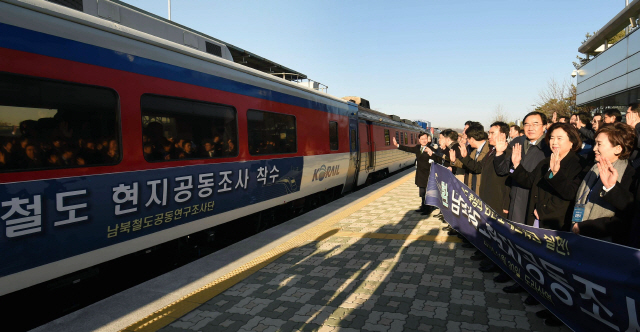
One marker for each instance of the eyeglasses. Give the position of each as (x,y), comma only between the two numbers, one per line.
(533,125)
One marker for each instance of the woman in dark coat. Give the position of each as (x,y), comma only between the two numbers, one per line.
(605,190)
(423,156)
(554,182)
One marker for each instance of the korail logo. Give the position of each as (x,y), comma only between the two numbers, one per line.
(325,172)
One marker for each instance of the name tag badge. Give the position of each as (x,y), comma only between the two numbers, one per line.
(578,213)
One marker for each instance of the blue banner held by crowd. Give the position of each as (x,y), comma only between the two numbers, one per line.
(590,285)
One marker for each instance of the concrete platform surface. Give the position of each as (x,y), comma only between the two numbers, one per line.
(366,262)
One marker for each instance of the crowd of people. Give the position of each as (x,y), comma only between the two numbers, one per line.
(28,148)
(574,174)
(172,149)
(28,153)
(157,147)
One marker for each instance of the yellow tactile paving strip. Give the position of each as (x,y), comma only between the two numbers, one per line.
(177,309)
(412,237)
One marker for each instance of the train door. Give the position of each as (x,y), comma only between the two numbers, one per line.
(367,161)
(363,139)
(372,147)
(354,160)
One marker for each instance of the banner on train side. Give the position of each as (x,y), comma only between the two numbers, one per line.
(46,221)
(591,285)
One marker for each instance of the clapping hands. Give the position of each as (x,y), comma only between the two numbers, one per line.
(554,163)
(501,144)
(516,155)
(463,150)
(608,174)
(632,119)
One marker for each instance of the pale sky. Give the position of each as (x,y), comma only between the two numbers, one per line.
(443,61)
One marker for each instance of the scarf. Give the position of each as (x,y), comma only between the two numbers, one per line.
(596,206)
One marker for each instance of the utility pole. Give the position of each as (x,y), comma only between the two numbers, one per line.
(170,10)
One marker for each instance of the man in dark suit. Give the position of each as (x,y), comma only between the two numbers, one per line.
(533,150)
(424,157)
(493,187)
(449,141)
(477,138)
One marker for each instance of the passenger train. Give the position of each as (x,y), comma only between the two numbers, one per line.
(116,138)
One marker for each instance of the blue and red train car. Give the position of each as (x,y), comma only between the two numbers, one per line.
(91,117)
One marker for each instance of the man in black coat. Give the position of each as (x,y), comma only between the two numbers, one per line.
(424,158)
(493,186)
(448,141)
(494,190)
(534,149)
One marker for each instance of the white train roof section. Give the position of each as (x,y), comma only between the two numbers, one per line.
(143,21)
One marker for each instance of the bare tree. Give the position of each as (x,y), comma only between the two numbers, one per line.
(499,114)
(555,97)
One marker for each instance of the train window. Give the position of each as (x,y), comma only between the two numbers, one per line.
(411,135)
(271,133)
(333,135)
(398,138)
(406,139)
(387,137)
(175,128)
(47,124)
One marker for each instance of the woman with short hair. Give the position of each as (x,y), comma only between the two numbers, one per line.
(604,200)
(555,180)
(554,183)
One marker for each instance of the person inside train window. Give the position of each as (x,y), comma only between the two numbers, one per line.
(53,160)
(113,154)
(167,149)
(147,150)
(28,128)
(207,149)
(218,146)
(89,153)
(7,145)
(179,145)
(3,163)
(68,157)
(188,151)
(230,148)
(8,155)
(32,158)
(45,148)
(103,146)
(58,145)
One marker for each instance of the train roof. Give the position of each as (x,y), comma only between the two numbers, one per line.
(142,20)
(375,116)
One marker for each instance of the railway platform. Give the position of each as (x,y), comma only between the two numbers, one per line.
(365,262)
